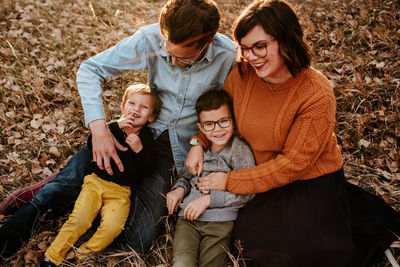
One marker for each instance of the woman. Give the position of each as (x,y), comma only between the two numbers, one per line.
(304,214)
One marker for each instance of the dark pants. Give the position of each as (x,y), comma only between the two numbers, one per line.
(305,223)
(324,221)
(147,200)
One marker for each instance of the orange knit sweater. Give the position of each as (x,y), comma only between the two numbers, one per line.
(289,126)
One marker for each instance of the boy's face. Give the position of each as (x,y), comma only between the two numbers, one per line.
(219,136)
(139,107)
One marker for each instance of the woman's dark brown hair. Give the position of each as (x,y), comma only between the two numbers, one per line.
(278,18)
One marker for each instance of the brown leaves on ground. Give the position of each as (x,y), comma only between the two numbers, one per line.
(42,43)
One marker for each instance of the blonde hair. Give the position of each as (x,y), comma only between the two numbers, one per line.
(143,89)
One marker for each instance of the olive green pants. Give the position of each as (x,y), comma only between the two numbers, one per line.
(201,243)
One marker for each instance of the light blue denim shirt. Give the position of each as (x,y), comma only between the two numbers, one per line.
(177,87)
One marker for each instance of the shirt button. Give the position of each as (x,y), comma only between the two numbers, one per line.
(177,108)
(181,94)
(185,75)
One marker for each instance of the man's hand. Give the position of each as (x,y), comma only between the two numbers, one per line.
(103,146)
(196,207)
(174,198)
(134,142)
(194,160)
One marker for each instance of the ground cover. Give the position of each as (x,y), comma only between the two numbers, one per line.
(42,43)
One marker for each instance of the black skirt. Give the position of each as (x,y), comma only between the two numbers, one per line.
(319,222)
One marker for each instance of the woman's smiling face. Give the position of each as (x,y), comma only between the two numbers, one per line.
(271,67)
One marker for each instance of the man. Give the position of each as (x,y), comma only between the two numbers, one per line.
(184,57)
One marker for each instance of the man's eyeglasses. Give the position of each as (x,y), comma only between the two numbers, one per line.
(170,56)
(259,49)
(210,125)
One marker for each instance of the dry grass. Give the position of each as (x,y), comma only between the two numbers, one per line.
(43,42)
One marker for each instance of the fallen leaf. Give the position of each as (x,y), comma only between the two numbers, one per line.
(54,151)
(364,143)
(43,245)
(32,256)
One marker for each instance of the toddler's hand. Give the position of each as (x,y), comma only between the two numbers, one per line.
(134,142)
(126,122)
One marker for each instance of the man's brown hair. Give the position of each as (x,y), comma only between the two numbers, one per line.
(188,22)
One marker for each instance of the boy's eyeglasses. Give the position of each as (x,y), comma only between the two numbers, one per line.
(259,49)
(170,56)
(210,125)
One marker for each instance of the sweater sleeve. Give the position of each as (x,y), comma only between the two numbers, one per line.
(203,140)
(307,138)
(240,157)
(184,181)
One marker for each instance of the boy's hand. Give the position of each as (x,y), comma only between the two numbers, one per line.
(174,198)
(103,146)
(134,142)
(126,122)
(196,207)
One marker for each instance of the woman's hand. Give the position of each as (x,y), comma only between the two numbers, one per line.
(215,181)
(104,146)
(134,142)
(196,207)
(174,198)
(194,160)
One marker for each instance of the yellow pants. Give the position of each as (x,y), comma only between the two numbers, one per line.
(113,202)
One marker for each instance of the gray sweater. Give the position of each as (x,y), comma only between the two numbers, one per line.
(224,205)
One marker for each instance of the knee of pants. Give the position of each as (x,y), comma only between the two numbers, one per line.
(113,227)
(185,260)
(79,222)
(65,187)
(56,196)
(138,237)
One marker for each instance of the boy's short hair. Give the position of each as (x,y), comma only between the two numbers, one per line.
(143,89)
(213,99)
(189,22)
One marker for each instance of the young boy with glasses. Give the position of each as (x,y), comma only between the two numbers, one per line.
(205,222)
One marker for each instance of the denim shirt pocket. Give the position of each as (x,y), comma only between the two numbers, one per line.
(198,90)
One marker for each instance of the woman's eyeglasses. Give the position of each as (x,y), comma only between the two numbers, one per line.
(259,49)
(210,125)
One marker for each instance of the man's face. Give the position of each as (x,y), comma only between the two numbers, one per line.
(181,55)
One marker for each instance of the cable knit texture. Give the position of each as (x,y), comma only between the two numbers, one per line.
(289,126)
